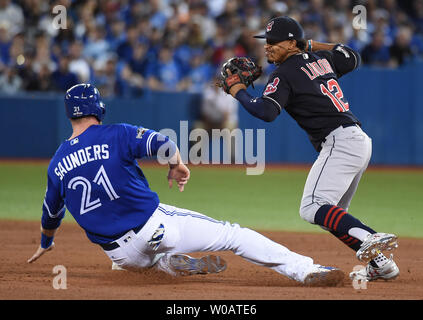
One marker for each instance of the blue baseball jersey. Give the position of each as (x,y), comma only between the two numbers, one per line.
(96,176)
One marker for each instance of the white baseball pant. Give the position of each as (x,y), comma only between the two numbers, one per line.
(186,231)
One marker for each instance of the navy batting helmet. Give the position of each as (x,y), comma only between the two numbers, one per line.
(84,100)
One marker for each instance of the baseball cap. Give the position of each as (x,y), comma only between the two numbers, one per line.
(281,29)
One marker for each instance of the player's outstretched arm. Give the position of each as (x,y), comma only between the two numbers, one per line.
(47,244)
(258,107)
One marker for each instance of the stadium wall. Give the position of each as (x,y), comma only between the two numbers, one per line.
(387,102)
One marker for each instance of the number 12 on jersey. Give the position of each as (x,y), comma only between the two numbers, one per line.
(334,92)
(101,179)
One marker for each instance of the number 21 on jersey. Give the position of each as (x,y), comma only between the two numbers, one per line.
(101,179)
(334,92)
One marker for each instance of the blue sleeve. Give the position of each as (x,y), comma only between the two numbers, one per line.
(53,205)
(262,108)
(143,142)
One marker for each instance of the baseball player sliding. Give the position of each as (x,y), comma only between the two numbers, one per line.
(95,175)
(305,84)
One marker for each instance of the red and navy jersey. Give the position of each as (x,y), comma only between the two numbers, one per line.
(306,86)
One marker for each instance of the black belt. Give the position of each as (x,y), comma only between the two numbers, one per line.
(350,125)
(113,245)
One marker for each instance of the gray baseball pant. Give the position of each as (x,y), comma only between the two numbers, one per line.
(334,176)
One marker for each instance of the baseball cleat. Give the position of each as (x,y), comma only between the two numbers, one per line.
(388,271)
(324,277)
(375,243)
(185,265)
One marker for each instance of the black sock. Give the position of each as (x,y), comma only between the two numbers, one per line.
(338,222)
(336,219)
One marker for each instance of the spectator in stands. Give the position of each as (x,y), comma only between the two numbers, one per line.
(165,74)
(200,17)
(199,76)
(27,72)
(218,111)
(105,78)
(16,48)
(43,53)
(400,50)
(377,52)
(125,50)
(140,59)
(42,81)
(358,40)
(116,34)
(129,84)
(417,15)
(12,14)
(5,43)
(219,45)
(78,64)
(96,46)
(182,49)
(10,82)
(336,34)
(63,78)
(158,13)
(33,10)
(216,29)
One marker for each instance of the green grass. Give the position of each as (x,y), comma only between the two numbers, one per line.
(388,201)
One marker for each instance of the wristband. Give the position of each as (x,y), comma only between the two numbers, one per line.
(310,47)
(46,241)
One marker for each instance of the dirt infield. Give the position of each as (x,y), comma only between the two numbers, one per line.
(89,274)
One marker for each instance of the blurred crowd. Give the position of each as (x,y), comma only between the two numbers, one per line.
(128,46)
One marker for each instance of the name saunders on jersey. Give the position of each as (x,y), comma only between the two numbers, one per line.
(81,157)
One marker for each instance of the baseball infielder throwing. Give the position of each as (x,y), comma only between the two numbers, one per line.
(305,84)
(95,175)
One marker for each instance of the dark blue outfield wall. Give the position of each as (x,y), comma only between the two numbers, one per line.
(388,103)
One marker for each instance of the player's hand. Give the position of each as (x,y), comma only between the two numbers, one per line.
(236,87)
(180,173)
(40,251)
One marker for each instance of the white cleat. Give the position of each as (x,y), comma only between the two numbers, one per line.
(388,271)
(375,243)
(185,265)
(324,277)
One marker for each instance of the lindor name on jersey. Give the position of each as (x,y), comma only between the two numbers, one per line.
(81,157)
(317,69)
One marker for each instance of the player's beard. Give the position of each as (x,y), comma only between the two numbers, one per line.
(269,59)
(276,55)
(272,61)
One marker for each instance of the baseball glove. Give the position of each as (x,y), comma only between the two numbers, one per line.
(242,70)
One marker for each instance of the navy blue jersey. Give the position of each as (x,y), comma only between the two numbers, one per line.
(97,178)
(306,86)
